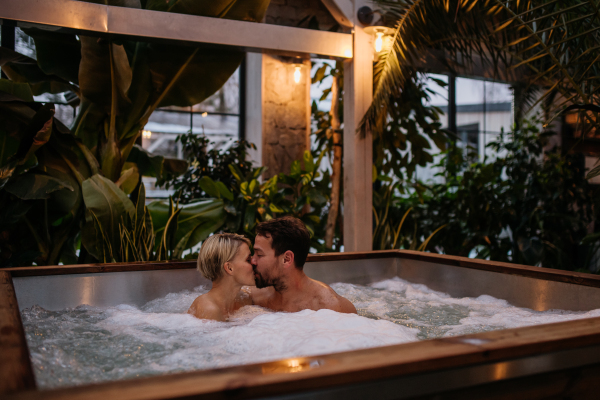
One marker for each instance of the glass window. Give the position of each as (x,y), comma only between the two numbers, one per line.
(483,109)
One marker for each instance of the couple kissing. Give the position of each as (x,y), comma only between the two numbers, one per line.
(272,277)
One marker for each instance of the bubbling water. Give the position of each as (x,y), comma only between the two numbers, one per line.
(93,344)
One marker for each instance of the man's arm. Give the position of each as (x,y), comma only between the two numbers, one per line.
(260,297)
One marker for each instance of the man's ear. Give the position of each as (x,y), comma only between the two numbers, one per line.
(288,259)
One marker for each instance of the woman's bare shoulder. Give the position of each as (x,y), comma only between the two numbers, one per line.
(204,308)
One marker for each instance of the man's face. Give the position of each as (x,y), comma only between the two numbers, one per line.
(266,267)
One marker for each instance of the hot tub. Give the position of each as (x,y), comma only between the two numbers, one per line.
(560,360)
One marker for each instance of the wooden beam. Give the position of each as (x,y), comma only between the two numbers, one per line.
(16,373)
(358,151)
(341,10)
(93,18)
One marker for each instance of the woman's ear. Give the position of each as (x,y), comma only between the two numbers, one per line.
(228,268)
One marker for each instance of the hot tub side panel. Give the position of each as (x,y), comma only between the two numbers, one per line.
(57,292)
(521,291)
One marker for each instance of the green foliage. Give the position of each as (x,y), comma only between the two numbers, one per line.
(403,143)
(61,187)
(388,233)
(117,230)
(546,44)
(226,176)
(42,168)
(213,163)
(179,228)
(529,206)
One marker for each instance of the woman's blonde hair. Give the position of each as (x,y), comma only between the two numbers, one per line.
(216,251)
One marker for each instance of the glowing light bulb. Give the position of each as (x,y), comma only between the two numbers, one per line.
(297,74)
(204,114)
(147,134)
(378,41)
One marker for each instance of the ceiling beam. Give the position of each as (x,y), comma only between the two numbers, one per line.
(90,18)
(341,10)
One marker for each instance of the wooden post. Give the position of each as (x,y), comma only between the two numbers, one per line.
(254,110)
(358,151)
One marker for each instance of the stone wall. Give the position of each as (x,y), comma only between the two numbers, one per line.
(286,114)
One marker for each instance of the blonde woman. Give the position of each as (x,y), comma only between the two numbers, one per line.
(224,259)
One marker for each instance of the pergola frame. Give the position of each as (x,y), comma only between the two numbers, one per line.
(354,48)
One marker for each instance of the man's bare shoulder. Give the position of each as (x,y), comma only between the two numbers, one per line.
(333,301)
(204,308)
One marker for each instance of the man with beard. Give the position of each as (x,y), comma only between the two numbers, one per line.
(280,251)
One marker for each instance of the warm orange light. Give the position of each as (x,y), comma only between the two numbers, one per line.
(378,41)
(146,134)
(297,74)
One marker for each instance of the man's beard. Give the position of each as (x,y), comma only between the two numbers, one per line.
(262,282)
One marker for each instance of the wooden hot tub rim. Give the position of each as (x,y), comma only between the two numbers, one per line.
(577,278)
(249,381)
(339,368)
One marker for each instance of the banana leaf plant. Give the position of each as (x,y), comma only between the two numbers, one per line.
(117,230)
(119,83)
(42,169)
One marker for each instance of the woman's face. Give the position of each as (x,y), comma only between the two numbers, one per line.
(241,267)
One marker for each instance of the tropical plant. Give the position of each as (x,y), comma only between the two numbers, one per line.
(389,220)
(119,83)
(548,45)
(300,193)
(529,207)
(42,169)
(205,160)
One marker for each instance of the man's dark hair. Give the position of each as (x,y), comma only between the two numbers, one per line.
(287,233)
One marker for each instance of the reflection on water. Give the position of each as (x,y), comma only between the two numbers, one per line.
(92,344)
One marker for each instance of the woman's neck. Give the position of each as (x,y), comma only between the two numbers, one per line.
(224,293)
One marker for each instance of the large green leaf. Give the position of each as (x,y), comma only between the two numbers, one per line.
(196,220)
(148,164)
(35,186)
(20,90)
(23,69)
(103,63)
(155,165)
(108,204)
(57,53)
(215,67)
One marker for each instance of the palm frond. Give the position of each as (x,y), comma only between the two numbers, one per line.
(543,44)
